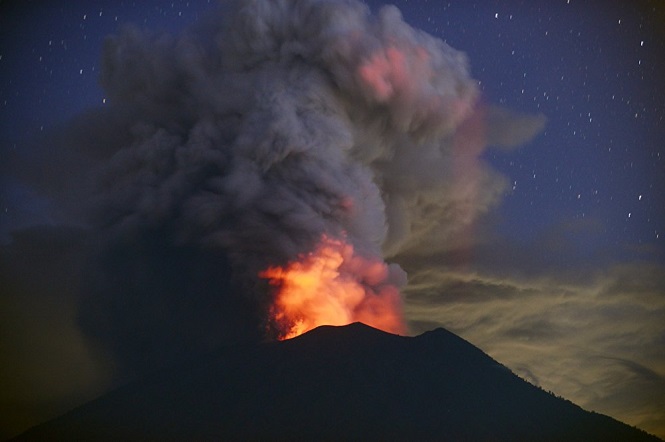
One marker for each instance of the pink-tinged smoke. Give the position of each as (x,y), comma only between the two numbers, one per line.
(406,75)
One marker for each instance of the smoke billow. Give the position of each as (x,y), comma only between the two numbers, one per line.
(240,143)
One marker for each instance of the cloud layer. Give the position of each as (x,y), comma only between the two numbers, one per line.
(592,334)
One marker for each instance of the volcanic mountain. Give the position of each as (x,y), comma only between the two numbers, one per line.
(337,383)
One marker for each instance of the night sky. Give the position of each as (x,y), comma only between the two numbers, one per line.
(563,281)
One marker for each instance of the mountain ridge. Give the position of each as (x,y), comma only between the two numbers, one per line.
(345,382)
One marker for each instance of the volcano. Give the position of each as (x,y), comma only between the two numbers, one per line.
(337,383)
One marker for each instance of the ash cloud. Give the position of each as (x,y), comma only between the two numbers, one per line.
(237,144)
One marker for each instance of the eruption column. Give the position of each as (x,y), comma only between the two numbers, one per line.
(253,140)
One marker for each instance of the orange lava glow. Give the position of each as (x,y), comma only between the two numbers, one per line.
(333,286)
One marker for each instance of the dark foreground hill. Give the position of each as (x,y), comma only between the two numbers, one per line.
(338,383)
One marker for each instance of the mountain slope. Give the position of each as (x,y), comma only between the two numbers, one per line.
(337,383)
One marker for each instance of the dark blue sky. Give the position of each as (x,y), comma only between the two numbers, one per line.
(593,69)
(566,287)
(590,67)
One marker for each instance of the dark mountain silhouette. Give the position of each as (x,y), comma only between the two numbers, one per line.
(338,383)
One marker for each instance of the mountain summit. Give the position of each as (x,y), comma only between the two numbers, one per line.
(338,383)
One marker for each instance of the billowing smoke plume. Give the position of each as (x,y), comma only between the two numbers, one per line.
(238,145)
